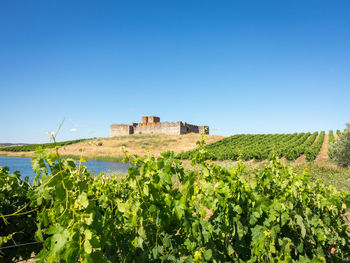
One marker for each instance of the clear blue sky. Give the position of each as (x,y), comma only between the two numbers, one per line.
(237,66)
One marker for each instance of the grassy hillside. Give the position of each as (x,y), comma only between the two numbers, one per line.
(141,144)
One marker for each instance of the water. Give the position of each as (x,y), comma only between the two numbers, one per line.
(24,166)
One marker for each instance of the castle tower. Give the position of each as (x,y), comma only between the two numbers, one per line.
(153,119)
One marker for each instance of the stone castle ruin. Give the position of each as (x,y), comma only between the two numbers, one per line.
(152,125)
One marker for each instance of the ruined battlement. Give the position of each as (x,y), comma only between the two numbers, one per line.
(152,125)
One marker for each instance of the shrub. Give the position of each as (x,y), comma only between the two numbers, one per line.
(341,148)
(99,143)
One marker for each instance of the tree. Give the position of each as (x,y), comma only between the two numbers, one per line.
(341,148)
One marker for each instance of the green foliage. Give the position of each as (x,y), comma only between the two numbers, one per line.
(33,147)
(298,148)
(17,222)
(330,175)
(312,152)
(259,147)
(99,143)
(341,148)
(331,139)
(160,212)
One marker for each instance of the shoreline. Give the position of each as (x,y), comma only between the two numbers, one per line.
(224,163)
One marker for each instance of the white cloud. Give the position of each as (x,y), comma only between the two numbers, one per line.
(73,130)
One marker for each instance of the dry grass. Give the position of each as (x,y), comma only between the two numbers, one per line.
(140,144)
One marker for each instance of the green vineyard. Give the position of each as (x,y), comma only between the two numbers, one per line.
(32,147)
(262,146)
(161,212)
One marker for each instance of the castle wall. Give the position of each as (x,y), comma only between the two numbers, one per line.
(152,125)
(159,128)
(190,128)
(121,129)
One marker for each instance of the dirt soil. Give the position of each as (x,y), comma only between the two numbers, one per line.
(323,155)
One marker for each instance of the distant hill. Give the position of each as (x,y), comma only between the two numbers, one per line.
(33,147)
(11,144)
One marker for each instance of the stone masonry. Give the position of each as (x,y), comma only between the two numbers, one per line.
(152,125)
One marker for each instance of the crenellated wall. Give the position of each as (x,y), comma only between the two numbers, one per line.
(121,129)
(159,128)
(152,125)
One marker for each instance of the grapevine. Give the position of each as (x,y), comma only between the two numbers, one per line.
(161,212)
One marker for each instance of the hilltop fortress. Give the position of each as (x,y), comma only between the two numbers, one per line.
(152,124)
